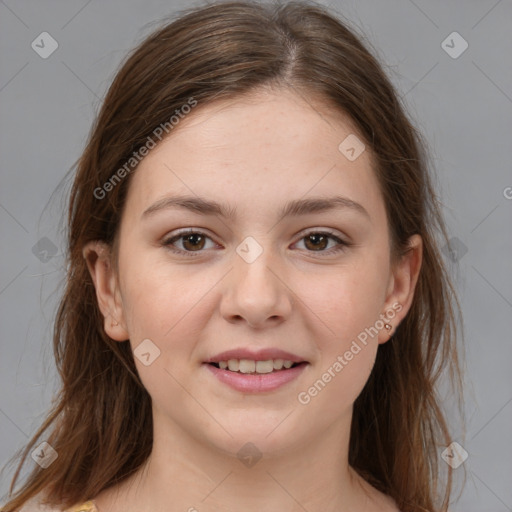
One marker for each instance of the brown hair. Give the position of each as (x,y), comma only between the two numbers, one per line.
(102,420)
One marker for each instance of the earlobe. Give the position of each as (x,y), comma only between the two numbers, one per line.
(402,287)
(97,255)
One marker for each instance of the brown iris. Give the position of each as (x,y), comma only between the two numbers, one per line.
(316,237)
(193,238)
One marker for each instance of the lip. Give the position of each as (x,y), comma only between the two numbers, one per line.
(256,383)
(256,355)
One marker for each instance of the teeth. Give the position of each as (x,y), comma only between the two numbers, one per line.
(278,364)
(246,366)
(233,365)
(251,366)
(264,366)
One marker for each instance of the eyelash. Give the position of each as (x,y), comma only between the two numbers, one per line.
(342,245)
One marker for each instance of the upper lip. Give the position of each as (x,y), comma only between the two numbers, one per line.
(255,355)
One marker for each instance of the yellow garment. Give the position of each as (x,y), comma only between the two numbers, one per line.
(88,506)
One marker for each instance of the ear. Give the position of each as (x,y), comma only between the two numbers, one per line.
(402,284)
(97,254)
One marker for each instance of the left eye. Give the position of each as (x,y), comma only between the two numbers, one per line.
(319,240)
(194,241)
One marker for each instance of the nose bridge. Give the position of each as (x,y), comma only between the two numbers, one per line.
(256,291)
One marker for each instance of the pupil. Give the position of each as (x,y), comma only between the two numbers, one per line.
(193,237)
(315,238)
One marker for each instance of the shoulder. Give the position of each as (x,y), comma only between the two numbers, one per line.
(34,505)
(87,506)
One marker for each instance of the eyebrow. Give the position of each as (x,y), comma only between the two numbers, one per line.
(293,208)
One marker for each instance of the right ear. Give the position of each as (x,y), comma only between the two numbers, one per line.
(97,255)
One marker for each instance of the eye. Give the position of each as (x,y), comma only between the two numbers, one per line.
(193,241)
(317,241)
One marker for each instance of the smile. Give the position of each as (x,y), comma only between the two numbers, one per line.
(251,366)
(251,376)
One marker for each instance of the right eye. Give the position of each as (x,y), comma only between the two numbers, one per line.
(192,241)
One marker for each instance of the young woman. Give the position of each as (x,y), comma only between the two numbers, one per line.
(256,313)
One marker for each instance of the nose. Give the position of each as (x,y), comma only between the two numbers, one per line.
(256,293)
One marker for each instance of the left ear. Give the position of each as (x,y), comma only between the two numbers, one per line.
(402,284)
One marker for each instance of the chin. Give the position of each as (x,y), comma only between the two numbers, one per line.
(256,435)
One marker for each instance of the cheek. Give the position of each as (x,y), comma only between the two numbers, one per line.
(170,315)
(334,389)
(156,294)
(162,307)
(170,306)
(348,299)
(349,303)
(350,307)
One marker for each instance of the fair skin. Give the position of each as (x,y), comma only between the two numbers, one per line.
(254,154)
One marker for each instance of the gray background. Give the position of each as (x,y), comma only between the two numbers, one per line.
(463,106)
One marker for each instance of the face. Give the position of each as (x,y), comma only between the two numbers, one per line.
(316,283)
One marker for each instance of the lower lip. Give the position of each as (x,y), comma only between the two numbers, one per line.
(255,383)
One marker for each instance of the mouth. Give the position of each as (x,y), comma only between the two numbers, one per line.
(250,376)
(254,371)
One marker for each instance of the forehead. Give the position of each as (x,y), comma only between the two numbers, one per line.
(255,149)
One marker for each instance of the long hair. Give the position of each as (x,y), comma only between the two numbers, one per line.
(101,422)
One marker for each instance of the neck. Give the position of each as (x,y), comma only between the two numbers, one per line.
(194,477)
